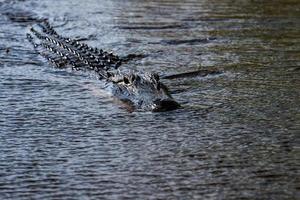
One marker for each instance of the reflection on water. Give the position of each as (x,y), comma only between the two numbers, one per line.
(236,136)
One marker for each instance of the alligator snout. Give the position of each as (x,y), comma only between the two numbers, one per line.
(164,105)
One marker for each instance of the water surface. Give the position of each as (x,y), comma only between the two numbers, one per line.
(237,136)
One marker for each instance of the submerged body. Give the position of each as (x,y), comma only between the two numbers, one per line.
(142,91)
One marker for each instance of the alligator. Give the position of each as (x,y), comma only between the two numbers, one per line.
(140,90)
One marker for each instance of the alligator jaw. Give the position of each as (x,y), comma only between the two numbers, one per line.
(165,105)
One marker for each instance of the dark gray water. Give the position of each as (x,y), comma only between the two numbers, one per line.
(237,136)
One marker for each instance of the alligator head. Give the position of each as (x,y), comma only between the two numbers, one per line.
(143,91)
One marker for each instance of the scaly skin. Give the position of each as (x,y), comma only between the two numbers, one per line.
(142,91)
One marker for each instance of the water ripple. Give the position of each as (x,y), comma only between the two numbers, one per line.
(236,136)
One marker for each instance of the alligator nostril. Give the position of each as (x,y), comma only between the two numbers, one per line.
(165,105)
(157,101)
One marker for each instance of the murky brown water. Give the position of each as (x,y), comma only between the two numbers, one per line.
(237,136)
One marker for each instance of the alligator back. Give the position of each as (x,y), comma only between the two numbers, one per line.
(66,52)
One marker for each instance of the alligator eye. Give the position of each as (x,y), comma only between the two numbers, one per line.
(132,78)
(137,78)
(126,81)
